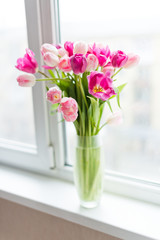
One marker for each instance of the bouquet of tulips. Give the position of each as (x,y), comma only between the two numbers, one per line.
(84,80)
(83,77)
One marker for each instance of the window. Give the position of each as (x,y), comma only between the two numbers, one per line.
(45,145)
(28,136)
(132,28)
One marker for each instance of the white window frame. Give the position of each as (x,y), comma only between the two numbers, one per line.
(48,133)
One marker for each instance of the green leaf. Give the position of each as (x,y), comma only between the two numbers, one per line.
(100,115)
(76,124)
(118,100)
(72,90)
(63,75)
(53,108)
(94,112)
(109,105)
(120,88)
(65,94)
(51,73)
(47,88)
(64,85)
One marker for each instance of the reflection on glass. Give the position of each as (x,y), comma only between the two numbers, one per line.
(16,118)
(132,26)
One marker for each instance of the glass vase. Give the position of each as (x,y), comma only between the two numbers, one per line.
(88,170)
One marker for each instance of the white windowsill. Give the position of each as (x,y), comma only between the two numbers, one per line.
(117,216)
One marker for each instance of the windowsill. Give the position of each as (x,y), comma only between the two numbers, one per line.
(118,216)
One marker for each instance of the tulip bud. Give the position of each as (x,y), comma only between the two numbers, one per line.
(133,60)
(46,47)
(64,64)
(78,63)
(92,62)
(26,80)
(69,109)
(115,119)
(119,59)
(50,59)
(80,48)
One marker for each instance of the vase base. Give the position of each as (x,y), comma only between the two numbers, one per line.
(91,204)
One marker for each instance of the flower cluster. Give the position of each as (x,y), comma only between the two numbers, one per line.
(83,74)
(68,106)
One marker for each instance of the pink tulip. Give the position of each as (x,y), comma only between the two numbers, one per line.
(78,63)
(108,68)
(70,118)
(69,109)
(80,48)
(64,64)
(26,80)
(133,60)
(92,62)
(115,119)
(100,85)
(46,47)
(54,95)
(101,52)
(102,60)
(119,59)
(51,59)
(62,52)
(28,63)
(69,47)
(104,50)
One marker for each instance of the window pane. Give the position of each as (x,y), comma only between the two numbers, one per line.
(132,26)
(16,121)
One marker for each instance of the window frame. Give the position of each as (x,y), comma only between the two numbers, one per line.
(49,136)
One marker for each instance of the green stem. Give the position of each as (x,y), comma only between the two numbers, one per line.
(82,91)
(57,73)
(52,79)
(117,72)
(43,74)
(102,126)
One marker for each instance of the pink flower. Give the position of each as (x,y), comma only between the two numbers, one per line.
(78,63)
(102,60)
(108,68)
(46,47)
(94,49)
(64,64)
(69,48)
(70,118)
(115,119)
(54,95)
(28,63)
(104,50)
(100,85)
(132,60)
(119,59)
(92,62)
(26,80)
(50,59)
(69,109)
(80,47)
(62,52)
(101,52)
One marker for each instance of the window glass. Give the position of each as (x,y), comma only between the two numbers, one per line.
(16,118)
(132,26)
